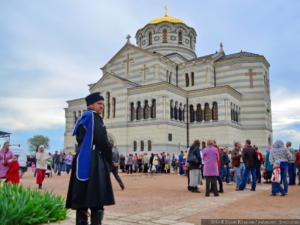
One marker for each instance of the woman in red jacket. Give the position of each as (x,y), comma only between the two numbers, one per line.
(13,171)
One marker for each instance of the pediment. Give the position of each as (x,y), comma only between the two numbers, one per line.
(110,78)
(127,52)
(177,58)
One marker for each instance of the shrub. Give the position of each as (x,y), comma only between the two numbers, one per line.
(24,206)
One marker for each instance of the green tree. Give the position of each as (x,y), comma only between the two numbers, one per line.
(36,141)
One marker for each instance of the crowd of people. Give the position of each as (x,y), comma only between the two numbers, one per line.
(217,165)
(42,163)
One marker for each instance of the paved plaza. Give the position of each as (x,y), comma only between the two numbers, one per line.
(163,199)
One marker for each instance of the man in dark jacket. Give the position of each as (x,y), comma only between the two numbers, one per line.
(250,160)
(90,185)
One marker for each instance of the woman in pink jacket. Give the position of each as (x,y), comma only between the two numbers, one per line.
(210,158)
(5,156)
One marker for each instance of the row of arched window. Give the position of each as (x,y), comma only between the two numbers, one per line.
(165,37)
(198,114)
(177,110)
(77,115)
(145,111)
(204,113)
(169,76)
(189,79)
(108,106)
(142,146)
(235,113)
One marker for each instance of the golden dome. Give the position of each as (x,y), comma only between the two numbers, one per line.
(166,19)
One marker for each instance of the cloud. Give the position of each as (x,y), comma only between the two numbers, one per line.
(285,112)
(31,113)
(288,135)
(285,108)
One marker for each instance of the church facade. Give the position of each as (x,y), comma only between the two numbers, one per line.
(160,96)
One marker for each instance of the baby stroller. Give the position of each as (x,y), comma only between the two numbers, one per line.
(49,170)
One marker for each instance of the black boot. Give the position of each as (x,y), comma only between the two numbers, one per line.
(97,217)
(197,190)
(40,186)
(81,217)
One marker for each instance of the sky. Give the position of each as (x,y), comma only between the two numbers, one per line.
(51,50)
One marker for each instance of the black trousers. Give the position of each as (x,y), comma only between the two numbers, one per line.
(211,184)
(116,175)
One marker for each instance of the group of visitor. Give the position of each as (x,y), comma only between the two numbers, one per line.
(218,165)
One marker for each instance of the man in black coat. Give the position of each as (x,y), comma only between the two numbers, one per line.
(90,185)
(250,160)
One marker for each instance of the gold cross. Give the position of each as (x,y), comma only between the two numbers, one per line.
(166,10)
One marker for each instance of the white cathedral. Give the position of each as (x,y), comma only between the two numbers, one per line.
(160,96)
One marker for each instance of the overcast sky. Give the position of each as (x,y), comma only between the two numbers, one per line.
(51,50)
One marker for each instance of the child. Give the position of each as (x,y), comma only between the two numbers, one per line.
(13,171)
(276,177)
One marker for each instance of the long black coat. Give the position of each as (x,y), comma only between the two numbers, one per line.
(97,191)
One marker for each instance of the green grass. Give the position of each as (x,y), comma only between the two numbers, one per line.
(24,206)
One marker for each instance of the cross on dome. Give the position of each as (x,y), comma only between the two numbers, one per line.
(128,38)
(166,10)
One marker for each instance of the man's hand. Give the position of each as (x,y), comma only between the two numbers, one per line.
(115,164)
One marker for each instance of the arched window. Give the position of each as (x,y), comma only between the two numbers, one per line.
(176,111)
(180,37)
(192,79)
(132,116)
(146,110)
(183,113)
(192,114)
(150,38)
(165,36)
(187,81)
(170,77)
(199,113)
(231,111)
(180,112)
(149,146)
(191,41)
(153,109)
(171,110)
(75,117)
(139,111)
(108,104)
(114,107)
(142,146)
(207,112)
(215,111)
(236,114)
(134,146)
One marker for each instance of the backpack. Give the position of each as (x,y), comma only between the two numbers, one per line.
(192,158)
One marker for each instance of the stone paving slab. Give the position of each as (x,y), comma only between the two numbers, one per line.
(171,214)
